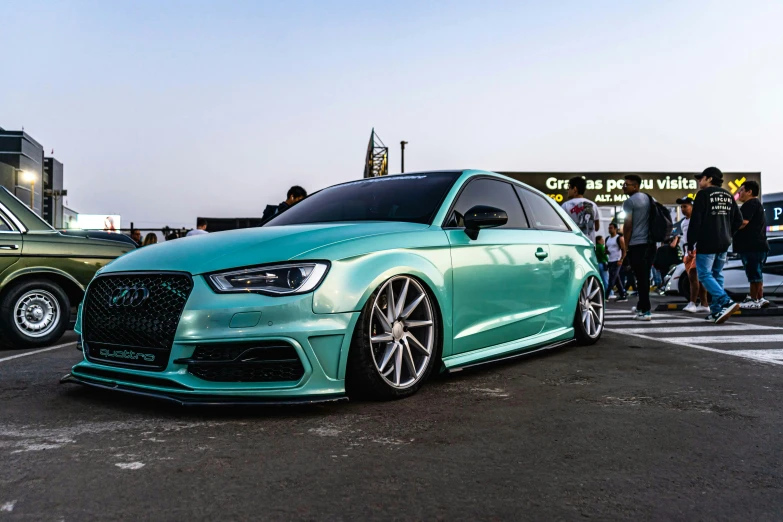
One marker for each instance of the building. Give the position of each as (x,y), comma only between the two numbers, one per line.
(53,192)
(24,155)
(33,178)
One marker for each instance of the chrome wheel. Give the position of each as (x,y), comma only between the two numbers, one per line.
(36,313)
(402,331)
(591,307)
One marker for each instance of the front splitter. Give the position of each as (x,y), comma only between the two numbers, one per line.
(200,400)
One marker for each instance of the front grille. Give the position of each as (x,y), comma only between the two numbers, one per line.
(134,333)
(245,362)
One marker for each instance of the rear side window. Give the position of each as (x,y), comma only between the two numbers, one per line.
(4,225)
(775,248)
(491,193)
(542,214)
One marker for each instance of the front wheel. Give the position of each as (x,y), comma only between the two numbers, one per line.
(589,316)
(34,313)
(396,343)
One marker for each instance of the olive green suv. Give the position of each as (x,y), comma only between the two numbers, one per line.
(43,274)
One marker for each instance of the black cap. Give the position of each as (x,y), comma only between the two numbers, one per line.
(711,172)
(687,200)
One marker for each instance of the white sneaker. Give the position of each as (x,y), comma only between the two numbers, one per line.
(763,302)
(748,304)
(690,308)
(748,299)
(633,310)
(702,310)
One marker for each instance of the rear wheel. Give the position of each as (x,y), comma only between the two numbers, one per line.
(34,313)
(589,316)
(396,342)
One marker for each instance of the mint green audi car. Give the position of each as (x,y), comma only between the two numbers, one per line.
(363,289)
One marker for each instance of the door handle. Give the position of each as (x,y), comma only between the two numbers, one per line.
(541,254)
(9,247)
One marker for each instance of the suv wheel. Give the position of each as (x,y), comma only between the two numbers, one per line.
(34,313)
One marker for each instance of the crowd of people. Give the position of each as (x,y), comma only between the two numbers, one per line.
(294,195)
(630,256)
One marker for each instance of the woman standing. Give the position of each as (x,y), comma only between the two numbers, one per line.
(615,248)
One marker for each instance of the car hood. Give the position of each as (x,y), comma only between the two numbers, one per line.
(252,246)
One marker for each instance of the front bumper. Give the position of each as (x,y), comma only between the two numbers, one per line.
(321,342)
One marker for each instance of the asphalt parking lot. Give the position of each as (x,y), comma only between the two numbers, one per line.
(640,426)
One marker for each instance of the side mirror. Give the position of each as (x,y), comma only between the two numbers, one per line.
(482,216)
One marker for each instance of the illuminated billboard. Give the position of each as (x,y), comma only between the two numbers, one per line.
(107,223)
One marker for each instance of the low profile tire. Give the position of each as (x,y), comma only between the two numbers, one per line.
(589,316)
(34,313)
(396,343)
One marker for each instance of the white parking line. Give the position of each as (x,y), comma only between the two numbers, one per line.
(725,339)
(36,351)
(690,331)
(770,356)
(623,322)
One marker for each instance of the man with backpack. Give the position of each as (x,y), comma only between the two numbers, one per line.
(583,211)
(646,222)
(714,221)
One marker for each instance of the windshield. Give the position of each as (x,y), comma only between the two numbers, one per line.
(414,198)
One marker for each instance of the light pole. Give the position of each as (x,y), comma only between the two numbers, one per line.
(402,156)
(56,194)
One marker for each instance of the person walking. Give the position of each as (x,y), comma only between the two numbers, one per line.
(641,249)
(603,261)
(201,228)
(615,249)
(750,242)
(714,221)
(583,211)
(689,260)
(295,195)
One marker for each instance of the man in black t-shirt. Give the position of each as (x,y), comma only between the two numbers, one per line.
(750,242)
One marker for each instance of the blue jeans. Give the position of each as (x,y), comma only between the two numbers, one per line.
(602,269)
(710,270)
(753,262)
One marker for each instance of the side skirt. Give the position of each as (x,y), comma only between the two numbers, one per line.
(494,354)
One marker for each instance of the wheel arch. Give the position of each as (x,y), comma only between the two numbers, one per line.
(351,282)
(72,288)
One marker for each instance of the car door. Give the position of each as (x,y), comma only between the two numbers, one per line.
(502,277)
(10,242)
(562,244)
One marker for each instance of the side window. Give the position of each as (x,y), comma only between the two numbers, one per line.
(542,215)
(4,225)
(775,248)
(489,192)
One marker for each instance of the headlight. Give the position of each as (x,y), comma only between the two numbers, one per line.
(297,278)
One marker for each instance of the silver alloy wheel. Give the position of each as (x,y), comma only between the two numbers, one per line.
(36,313)
(591,306)
(402,331)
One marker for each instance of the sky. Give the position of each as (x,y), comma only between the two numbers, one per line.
(166,110)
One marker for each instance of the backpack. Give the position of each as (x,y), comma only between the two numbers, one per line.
(660,221)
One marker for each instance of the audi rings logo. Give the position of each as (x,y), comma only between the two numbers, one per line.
(131,296)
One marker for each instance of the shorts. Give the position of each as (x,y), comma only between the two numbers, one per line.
(754,265)
(689,261)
